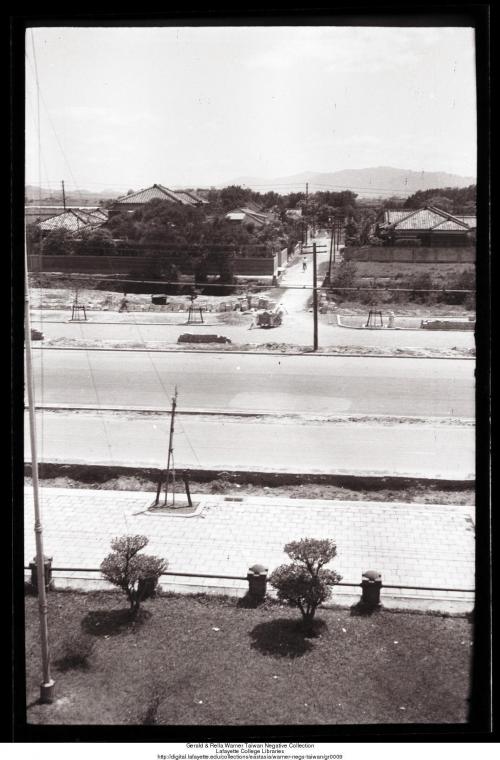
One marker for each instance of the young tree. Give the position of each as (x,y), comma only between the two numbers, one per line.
(305,583)
(351,232)
(95,242)
(345,277)
(58,243)
(137,575)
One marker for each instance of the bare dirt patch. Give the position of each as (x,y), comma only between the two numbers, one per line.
(416,494)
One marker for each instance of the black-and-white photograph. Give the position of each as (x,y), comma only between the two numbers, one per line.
(249,374)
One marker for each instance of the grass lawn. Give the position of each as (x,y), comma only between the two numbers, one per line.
(197,660)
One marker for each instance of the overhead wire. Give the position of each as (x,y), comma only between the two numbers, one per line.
(40,97)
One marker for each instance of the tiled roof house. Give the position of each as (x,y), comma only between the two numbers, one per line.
(136,200)
(35,214)
(191,194)
(246,215)
(429,226)
(74,220)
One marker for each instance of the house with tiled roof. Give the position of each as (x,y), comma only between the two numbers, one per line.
(34,213)
(246,215)
(191,194)
(427,226)
(468,219)
(136,200)
(74,220)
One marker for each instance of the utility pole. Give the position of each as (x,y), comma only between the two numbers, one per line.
(47,685)
(306,210)
(332,249)
(338,232)
(63,194)
(170,458)
(315,299)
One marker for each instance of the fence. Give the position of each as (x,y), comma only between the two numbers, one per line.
(137,265)
(419,255)
(371,583)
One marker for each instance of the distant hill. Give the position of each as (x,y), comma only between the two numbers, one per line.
(378,181)
(35,194)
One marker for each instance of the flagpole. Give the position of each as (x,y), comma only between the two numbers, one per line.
(47,685)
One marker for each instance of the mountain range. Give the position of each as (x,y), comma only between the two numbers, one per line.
(377,181)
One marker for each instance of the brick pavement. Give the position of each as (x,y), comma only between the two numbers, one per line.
(411,544)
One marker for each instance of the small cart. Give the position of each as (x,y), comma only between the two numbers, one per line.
(267,318)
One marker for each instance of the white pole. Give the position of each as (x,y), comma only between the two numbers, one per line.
(47,685)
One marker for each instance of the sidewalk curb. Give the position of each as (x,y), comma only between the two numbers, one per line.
(128,324)
(252,353)
(99,473)
(201,412)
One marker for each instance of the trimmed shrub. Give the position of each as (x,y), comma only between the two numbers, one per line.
(137,575)
(305,583)
(76,649)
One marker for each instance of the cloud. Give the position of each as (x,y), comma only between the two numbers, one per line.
(352,49)
(103,116)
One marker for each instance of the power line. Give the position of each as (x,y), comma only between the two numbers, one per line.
(240,285)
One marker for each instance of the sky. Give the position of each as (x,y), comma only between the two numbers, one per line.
(123,108)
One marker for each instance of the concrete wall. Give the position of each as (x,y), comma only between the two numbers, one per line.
(134,265)
(410,255)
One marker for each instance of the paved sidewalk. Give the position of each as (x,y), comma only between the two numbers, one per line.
(141,329)
(410,544)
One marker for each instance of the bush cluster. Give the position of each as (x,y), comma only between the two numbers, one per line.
(414,288)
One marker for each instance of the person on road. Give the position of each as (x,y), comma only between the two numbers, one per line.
(304,264)
(123,303)
(253,323)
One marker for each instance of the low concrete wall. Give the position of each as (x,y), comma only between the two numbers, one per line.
(135,265)
(90,473)
(387,254)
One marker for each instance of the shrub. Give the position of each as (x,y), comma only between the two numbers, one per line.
(344,277)
(137,575)
(305,583)
(421,285)
(75,651)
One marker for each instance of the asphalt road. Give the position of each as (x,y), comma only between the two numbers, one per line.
(253,383)
(440,451)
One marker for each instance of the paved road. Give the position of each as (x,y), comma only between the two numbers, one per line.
(298,384)
(435,450)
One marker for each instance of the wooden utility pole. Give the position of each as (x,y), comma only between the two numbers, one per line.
(170,458)
(63,195)
(332,249)
(47,685)
(315,299)
(306,209)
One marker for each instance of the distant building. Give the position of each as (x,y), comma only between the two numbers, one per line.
(427,227)
(469,220)
(75,220)
(136,200)
(293,213)
(34,214)
(246,215)
(193,195)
